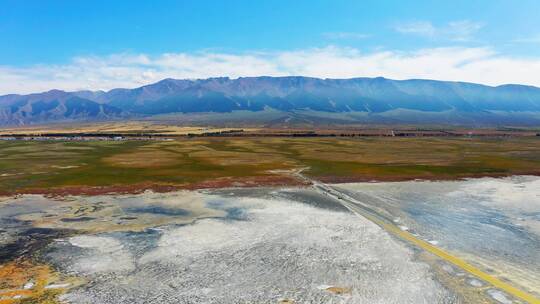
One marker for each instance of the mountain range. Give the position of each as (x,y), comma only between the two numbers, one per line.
(355,100)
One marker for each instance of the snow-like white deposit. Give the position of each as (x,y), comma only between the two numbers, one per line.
(277,250)
(519,192)
(102,254)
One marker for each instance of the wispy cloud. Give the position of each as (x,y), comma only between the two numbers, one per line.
(530,39)
(345,35)
(482,65)
(422,28)
(461,30)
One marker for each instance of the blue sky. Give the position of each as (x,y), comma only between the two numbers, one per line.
(103,44)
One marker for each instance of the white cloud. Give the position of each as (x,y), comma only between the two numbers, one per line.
(461,30)
(481,65)
(345,35)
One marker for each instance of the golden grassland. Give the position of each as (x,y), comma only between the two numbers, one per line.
(123,127)
(27,166)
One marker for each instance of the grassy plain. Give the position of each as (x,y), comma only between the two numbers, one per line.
(42,166)
(123,127)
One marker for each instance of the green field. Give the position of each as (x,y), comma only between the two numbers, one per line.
(27,166)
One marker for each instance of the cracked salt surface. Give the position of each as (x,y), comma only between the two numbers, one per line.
(279,249)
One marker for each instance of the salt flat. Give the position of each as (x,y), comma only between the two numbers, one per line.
(266,249)
(491,222)
(272,245)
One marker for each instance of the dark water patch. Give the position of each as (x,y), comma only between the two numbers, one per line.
(158,210)
(30,242)
(235,213)
(39,232)
(138,243)
(11,251)
(129,218)
(77,219)
(216,204)
(312,198)
(10,223)
(232,213)
(91,209)
(259,192)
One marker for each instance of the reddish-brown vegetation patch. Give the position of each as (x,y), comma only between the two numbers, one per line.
(226,182)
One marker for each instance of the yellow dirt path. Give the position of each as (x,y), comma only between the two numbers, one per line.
(357,209)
